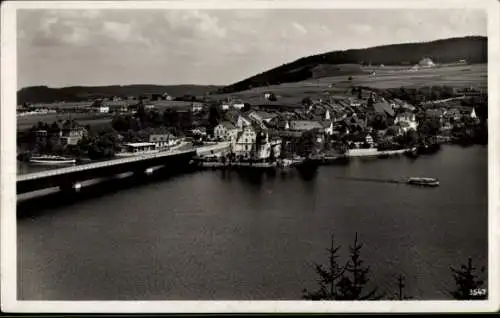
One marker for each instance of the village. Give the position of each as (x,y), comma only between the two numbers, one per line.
(360,122)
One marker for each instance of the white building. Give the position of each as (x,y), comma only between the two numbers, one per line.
(369,140)
(226,131)
(328,127)
(163,141)
(137,148)
(269,146)
(426,62)
(243,122)
(238,105)
(196,107)
(473,113)
(71,136)
(102,109)
(245,141)
(327,115)
(262,117)
(408,119)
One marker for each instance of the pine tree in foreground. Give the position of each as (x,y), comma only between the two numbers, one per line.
(328,277)
(468,285)
(400,295)
(353,284)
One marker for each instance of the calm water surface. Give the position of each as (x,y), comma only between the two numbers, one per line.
(214,235)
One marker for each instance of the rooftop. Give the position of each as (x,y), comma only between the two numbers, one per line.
(383,107)
(228,124)
(139,144)
(264,115)
(305,125)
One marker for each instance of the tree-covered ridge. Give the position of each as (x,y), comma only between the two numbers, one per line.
(44,94)
(473,49)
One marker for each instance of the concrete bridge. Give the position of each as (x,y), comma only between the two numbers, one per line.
(70,178)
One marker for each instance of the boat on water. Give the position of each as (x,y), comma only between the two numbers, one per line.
(51,160)
(427,182)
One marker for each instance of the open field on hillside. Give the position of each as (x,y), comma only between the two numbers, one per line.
(27,121)
(456,76)
(385,77)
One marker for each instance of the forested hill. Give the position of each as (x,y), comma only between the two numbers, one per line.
(473,49)
(39,94)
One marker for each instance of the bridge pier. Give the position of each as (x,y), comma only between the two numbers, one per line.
(73,179)
(148,171)
(70,187)
(145,173)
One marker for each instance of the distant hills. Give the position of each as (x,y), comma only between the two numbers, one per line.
(473,49)
(44,94)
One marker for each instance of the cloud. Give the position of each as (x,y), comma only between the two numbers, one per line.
(193,46)
(360,28)
(195,23)
(116,30)
(299,27)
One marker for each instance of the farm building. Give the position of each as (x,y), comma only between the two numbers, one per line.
(426,62)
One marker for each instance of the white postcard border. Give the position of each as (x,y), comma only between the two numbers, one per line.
(8,222)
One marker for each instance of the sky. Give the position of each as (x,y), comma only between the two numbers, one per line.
(166,47)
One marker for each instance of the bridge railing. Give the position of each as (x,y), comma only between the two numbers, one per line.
(102,164)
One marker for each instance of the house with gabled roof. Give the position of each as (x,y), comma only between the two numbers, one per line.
(406,120)
(245,141)
(262,116)
(304,125)
(384,108)
(226,131)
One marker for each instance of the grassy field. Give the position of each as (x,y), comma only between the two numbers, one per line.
(26,122)
(385,77)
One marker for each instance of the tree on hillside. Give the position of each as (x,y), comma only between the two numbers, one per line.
(214,116)
(141,114)
(379,122)
(468,284)
(171,118)
(154,118)
(101,145)
(120,123)
(328,276)
(54,128)
(246,107)
(429,126)
(353,284)
(307,101)
(408,138)
(186,120)
(370,102)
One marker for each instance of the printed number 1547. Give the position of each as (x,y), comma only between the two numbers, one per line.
(478,292)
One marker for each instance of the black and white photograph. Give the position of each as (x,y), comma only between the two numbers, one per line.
(249,156)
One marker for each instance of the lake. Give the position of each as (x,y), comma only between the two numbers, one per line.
(214,235)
